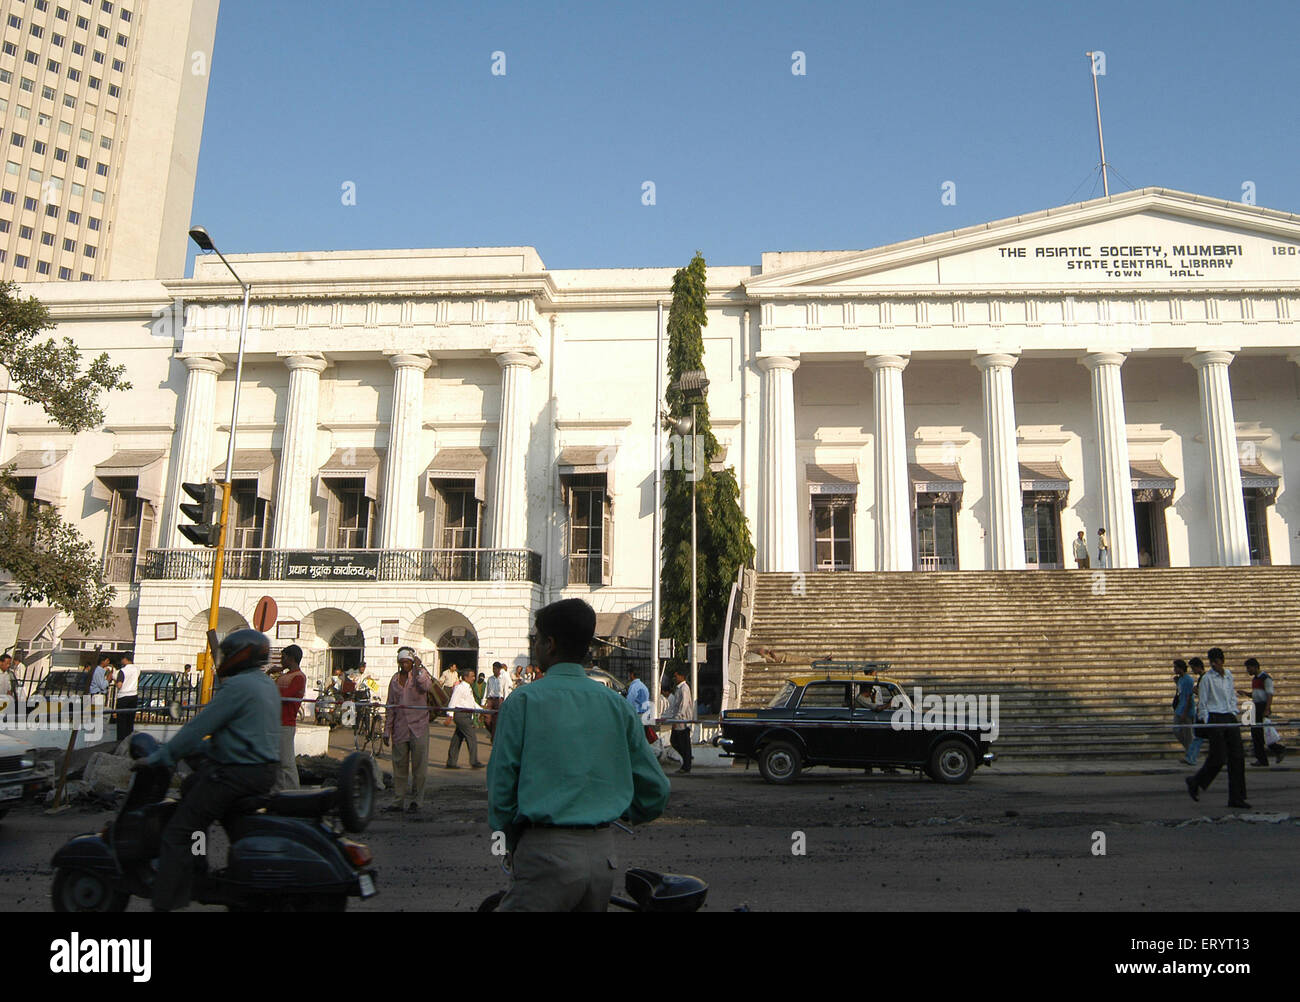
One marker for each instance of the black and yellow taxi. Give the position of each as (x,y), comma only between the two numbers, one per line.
(850,714)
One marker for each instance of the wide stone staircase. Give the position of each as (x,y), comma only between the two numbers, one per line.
(1081,661)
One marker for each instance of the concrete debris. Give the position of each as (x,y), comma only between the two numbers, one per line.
(107,773)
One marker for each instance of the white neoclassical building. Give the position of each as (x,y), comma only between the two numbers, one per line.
(431,444)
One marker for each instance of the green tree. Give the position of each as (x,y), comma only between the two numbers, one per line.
(724,542)
(47,559)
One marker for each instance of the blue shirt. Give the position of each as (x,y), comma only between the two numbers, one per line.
(243,720)
(1185,688)
(639,696)
(98,682)
(569,751)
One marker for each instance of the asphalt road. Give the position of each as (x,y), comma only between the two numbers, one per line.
(888,843)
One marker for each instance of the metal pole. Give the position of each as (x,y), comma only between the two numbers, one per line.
(219,561)
(656,569)
(1096,98)
(695,559)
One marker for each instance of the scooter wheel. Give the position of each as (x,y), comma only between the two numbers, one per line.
(84,891)
(356,794)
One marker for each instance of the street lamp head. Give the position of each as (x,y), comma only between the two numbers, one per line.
(683,425)
(693,384)
(200,236)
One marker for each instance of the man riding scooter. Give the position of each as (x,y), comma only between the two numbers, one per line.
(243,721)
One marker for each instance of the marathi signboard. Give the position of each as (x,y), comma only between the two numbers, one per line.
(331,566)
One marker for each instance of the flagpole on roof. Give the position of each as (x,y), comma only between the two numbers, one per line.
(1101,143)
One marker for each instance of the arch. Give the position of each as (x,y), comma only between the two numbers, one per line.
(228,621)
(331,639)
(446,637)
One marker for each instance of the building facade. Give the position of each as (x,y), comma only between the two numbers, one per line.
(101,113)
(432,444)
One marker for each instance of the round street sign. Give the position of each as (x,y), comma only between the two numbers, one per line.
(265,613)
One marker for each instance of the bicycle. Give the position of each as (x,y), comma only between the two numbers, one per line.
(369,731)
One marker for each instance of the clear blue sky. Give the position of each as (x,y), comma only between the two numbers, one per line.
(399,98)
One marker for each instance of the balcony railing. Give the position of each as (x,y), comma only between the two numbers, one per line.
(196,564)
(944,563)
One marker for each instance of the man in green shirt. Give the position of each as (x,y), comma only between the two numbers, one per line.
(243,758)
(569,757)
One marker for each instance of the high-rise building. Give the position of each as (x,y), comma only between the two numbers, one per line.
(101,113)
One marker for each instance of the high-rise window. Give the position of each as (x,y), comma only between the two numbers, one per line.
(69,244)
(42,267)
(65,274)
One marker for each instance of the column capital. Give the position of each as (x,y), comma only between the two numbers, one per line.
(769,362)
(994,360)
(1214,356)
(875,362)
(517,356)
(410,360)
(1095,359)
(315,363)
(203,363)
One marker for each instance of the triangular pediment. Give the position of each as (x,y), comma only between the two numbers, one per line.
(1153,237)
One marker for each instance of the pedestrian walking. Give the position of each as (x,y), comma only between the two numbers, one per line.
(1103,549)
(128,681)
(1081,559)
(450,677)
(570,758)
(495,695)
(462,701)
(1196,668)
(292,684)
(1220,701)
(406,726)
(1261,697)
(1184,704)
(638,697)
(681,707)
(9,685)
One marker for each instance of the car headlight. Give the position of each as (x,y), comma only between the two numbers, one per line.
(27,763)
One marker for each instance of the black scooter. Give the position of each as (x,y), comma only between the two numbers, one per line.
(284,854)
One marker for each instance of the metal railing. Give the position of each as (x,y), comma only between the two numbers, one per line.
(936,563)
(195,564)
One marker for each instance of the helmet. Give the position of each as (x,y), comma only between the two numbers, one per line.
(243,650)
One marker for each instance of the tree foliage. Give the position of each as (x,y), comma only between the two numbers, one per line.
(724,543)
(47,560)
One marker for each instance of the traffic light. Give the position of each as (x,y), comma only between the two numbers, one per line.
(206,514)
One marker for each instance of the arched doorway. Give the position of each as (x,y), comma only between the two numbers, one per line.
(458,648)
(346,649)
(448,639)
(331,639)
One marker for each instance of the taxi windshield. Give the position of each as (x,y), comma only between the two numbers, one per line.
(782,697)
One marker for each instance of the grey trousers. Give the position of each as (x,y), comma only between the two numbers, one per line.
(562,870)
(287,779)
(464,735)
(410,757)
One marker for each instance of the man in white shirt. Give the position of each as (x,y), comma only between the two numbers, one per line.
(494,694)
(462,700)
(681,707)
(128,678)
(1218,699)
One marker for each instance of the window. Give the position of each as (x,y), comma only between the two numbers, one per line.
(82,163)
(26,86)
(15,21)
(42,4)
(20,260)
(3,256)
(13,167)
(60,155)
(69,244)
(4,226)
(74,75)
(93,223)
(351,515)
(6,76)
(47,239)
(121,40)
(57,39)
(248,522)
(114,90)
(24,233)
(39,147)
(37,30)
(4,105)
(42,119)
(52,211)
(590,528)
(106,7)
(130,530)
(1041,518)
(32,58)
(33,174)
(826,696)
(65,274)
(101,170)
(118,66)
(1257,501)
(99,57)
(22,113)
(69,100)
(42,267)
(52,65)
(97,196)
(78,189)
(457,525)
(936,533)
(83,24)
(87,277)
(89,251)
(10,49)
(832,516)
(102,31)
(126,15)
(47,94)
(87,135)
(29,204)
(94,83)
(8,197)
(61,13)
(78,49)
(74,218)
(65,128)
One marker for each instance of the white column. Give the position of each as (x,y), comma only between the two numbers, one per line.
(1223,470)
(1116,481)
(399,504)
(298,454)
(1001,464)
(193,460)
(778,548)
(893,514)
(508,518)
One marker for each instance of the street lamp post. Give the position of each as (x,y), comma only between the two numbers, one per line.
(694,386)
(208,659)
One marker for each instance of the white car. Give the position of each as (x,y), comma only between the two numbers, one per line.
(19,779)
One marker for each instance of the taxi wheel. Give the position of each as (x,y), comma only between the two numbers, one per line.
(951,762)
(780,762)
